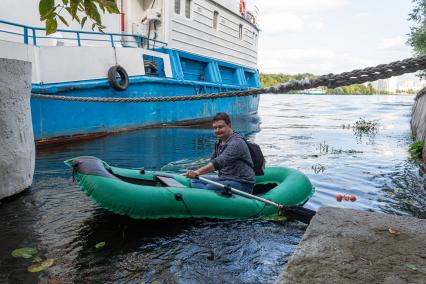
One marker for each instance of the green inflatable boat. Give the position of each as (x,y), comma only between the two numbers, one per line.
(144,194)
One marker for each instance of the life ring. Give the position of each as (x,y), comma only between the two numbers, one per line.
(118,78)
(242,7)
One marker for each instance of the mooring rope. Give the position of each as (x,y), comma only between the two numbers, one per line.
(357,76)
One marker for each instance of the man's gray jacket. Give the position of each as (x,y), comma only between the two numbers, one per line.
(233,160)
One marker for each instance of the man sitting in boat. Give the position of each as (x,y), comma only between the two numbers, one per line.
(231,158)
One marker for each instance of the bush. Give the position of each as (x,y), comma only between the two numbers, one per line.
(416,149)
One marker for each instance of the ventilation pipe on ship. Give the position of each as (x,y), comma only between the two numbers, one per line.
(123,20)
(152,19)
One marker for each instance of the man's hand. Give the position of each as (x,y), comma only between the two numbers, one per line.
(201,171)
(192,174)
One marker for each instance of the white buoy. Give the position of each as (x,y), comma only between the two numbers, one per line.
(17,150)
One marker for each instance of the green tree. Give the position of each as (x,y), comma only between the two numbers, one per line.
(417,36)
(89,9)
(268,80)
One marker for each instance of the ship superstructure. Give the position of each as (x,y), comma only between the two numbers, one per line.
(165,47)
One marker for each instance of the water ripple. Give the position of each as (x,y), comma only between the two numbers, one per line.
(301,132)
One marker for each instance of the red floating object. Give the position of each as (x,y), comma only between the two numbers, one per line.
(353,198)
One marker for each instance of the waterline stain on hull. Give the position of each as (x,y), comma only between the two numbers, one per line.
(201,123)
(58,120)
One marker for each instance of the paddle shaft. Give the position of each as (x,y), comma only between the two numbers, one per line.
(242,193)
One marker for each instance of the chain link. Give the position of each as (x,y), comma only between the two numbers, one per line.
(357,76)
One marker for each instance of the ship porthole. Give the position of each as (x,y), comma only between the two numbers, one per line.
(118,78)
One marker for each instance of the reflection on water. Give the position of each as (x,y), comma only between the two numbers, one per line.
(303,132)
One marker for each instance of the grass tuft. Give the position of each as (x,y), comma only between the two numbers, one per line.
(416,149)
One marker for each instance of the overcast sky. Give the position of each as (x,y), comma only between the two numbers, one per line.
(331,36)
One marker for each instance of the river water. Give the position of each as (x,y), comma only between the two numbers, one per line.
(314,134)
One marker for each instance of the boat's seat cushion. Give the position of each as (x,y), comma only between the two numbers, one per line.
(169,181)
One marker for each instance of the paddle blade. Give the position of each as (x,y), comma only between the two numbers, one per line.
(299,213)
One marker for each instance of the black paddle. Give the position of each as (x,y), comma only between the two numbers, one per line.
(299,213)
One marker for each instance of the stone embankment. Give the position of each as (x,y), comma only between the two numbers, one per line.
(351,246)
(418,119)
(17,151)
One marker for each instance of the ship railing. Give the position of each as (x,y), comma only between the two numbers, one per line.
(37,37)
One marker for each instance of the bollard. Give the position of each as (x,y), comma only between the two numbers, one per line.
(17,149)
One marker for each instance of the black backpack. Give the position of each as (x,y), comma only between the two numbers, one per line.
(257,158)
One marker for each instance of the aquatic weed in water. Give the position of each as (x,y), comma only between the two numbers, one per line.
(366,126)
(318,168)
(39,263)
(324,148)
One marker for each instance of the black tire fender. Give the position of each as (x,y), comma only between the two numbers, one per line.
(118,78)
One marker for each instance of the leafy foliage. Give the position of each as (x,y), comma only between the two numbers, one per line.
(51,12)
(100,245)
(416,149)
(28,252)
(417,36)
(355,89)
(25,252)
(268,80)
(40,266)
(418,31)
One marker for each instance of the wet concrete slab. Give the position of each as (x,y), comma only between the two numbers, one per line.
(352,246)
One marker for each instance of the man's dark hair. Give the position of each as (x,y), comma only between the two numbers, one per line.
(222,116)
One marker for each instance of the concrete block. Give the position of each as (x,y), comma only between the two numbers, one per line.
(352,246)
(17,151)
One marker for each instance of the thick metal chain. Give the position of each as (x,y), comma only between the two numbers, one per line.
(357,76)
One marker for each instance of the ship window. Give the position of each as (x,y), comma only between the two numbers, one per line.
(188,8)
(215,20)
(241,32)
(177,6)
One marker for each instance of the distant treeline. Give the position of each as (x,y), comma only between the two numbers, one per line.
(268,80)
